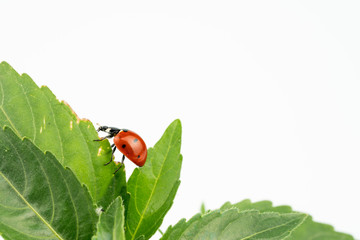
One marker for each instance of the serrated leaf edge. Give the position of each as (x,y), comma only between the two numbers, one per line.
(272,212)
(308,216)
(69,111)
(20,195)
(201,216)
(103,212)
(161,218)
(71,114)
(23,139)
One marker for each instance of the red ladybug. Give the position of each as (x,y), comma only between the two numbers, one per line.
(128,142)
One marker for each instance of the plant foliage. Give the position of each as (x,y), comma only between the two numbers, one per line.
(307,230)
(111,222)
(234,224)
(153,187)
(53,184)
(52,126)
(39,197)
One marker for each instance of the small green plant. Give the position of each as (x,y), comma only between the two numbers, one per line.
(53,184)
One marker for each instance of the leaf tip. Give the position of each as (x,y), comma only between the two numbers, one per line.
(4,66)
(175,126)
(3,63)
(176,122)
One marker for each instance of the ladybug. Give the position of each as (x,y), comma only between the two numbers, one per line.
(129,144)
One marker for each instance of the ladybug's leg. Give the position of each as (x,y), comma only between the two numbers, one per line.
(121,164)
(103,138)
(112,155)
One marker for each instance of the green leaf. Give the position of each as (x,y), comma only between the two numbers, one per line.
(235,224)
(262,206)
(153,187)
(39,197)
(308,230)
(52,126)
(111,222)
(317,231)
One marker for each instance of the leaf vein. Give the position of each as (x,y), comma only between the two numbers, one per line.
(29,205)
(269,229)
(50,190)
(22,164)
(11,207)
(2,94)
(31,110)
(72,200)
(26,234)
(57,129)
(92,159)
(154,187)
(3,110)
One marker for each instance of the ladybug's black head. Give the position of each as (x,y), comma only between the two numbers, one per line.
(111,130)
(102,128)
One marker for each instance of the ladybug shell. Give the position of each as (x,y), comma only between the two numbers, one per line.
(132,146)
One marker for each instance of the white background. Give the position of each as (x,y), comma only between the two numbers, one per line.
(267,91)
